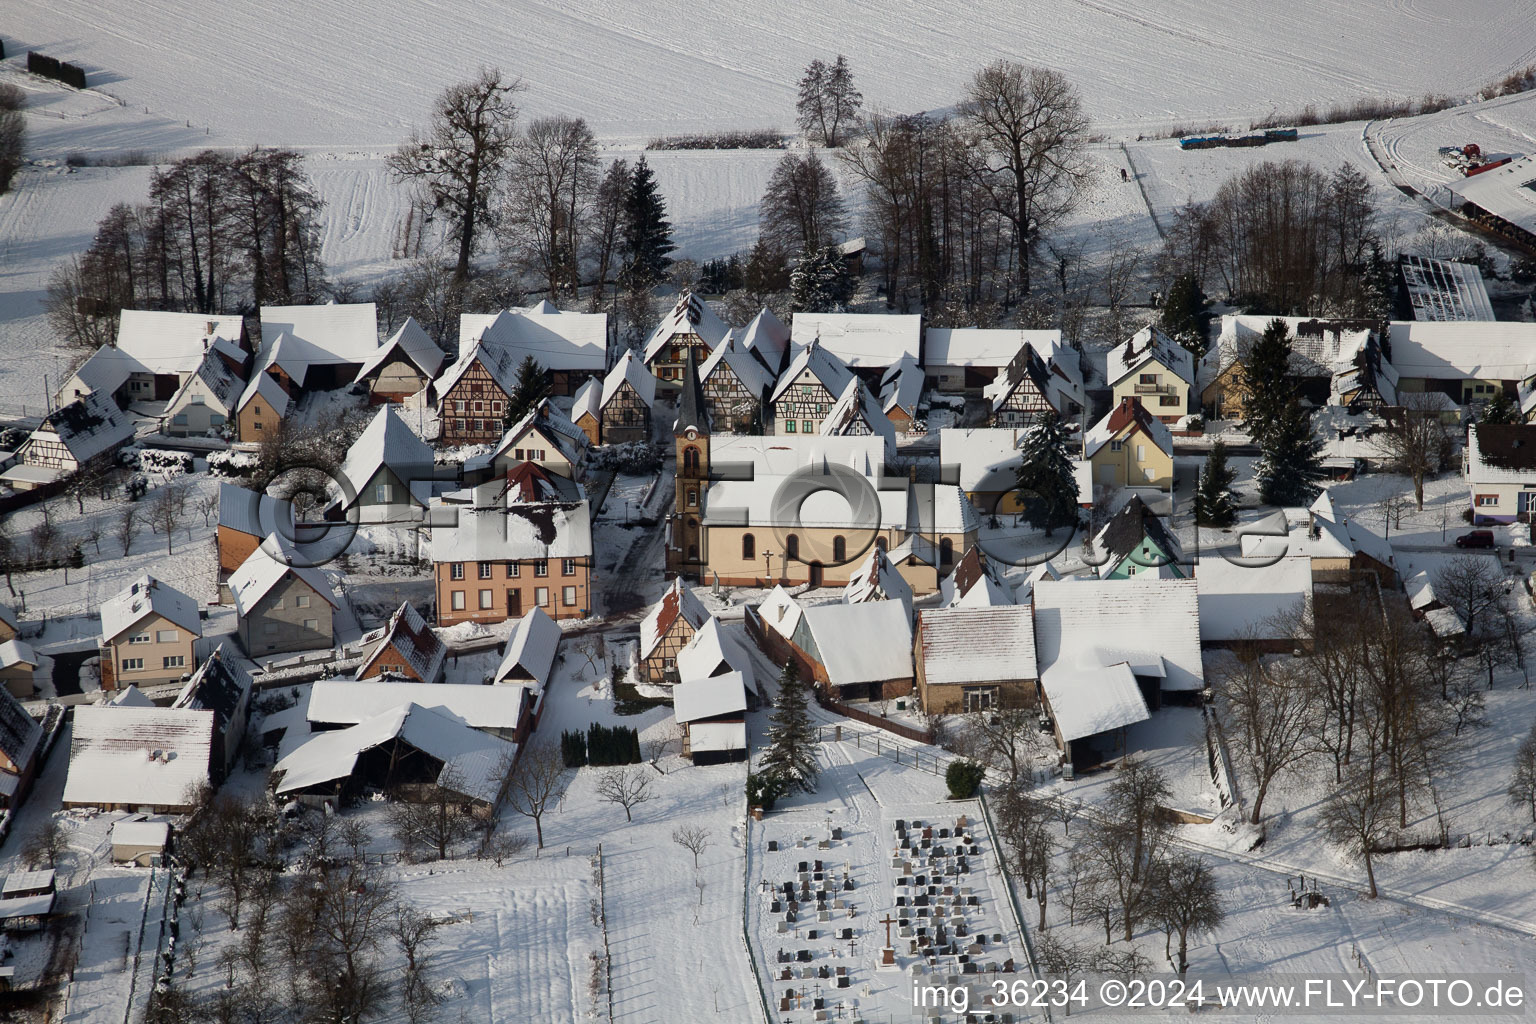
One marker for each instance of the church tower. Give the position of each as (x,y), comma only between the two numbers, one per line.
(686,555)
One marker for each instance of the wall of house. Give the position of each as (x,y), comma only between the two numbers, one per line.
(664,656)
(1165,396)
(949,698)
(1501,502)
(1224,396)
(723,554)
(19,680)
(153,652)
(512,596)
(591,427)
(395,382)
(281,623)
(256,421)
(234,548)
(1123,469)
(197,413)
(535,448)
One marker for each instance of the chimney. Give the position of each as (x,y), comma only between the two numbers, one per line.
(208,331)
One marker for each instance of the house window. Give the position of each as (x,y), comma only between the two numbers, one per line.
(139,638)
(541,567)
(541,596)
(514,570)
(179,420)
(456,600)
(256,425)
(946,551)
(383,494)
(567,567)
(806,428)
(174,661)
(196,399)
(979,698)
(1148,378)
(269,628)
(313,625)
(479,424)
(792,547)
(839,549)
(789,426)
(456,571)
(1116,446)
(301,601)
(167,636)
(133,664)
(216,419)
(486,568)
(748,546)
(458,406)
(1487,500)
(1141,453)
(693,497)
(568,596)
(487,602)
(277,605)
(1168,400)
(517,453)
(479,406)
(496,408)
(458,424)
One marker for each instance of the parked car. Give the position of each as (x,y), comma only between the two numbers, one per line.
(1476,539)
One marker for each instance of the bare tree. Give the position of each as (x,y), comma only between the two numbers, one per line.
(228,838)
(434,816)
(163,515)
(693,838)
(414,933)
(828,107)
(1469,585)
(92,535)
(1522,782)
(459,162)
(627,785)
(1358,817)
(1271,714)
(536,784)
(801,208)
(1007,739)
(504,846)
(551,180)
(208,505)
(1188,902)
(44,844)
(1415,442)
(1030,128)
(333,925)
(605,225)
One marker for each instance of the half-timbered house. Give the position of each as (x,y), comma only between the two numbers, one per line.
(571,347)
(691,327)
(69,437)
(473,395)
(807,390)
(856,413)
(1021,395)
(735,385)
(629,390)
(668,627)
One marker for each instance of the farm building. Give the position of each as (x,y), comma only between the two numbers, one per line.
(1499,465)
(530,652)
(714,652)
(571,347)
(323,346)
(1502,199)
(402,366)
(712,714)
(18,668)
(1443,289)
(154,353)
(976,659)
(501,711)
(867,343)
(69,437)
(1253,604)
(220,685)
(140,842)
(152,760)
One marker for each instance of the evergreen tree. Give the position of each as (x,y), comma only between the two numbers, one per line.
(1290,465)
(791,756)
(1183,316)
(765,271)
(1046,481)
(1213,498)
(647,234)
(532,386)
(1500,410)
(820,282)
(1264,376)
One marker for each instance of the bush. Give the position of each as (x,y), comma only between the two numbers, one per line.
(156,460)
(608,745)
(232,464)
(573,749)
(630,457)
(963,778)
(763,790)
(757,138)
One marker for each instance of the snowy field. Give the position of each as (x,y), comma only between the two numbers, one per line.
(354,73)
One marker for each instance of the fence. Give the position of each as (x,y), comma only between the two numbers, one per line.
(896,728)
(931,763)
(746,931)
(1007,880)
(602,907)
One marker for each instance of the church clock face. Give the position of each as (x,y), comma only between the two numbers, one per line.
(693,435)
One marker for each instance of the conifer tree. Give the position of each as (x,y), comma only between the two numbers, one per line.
(1213,498)
(1290,465)
(820,282)
(1183,317)
(791,756)
(532,385)
(1046,481)
(1268,389)
(1500,410)
(647,235)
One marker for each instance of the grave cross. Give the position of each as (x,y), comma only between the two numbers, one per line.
(888,922)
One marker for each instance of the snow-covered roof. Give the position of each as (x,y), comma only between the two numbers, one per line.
(222,384)
(709,650)
(1043,571)
(876,579)
(857,412)
(143,597)
(17,652)
(410,343)
(1146,345)
(476,758)
(326,334)
(783,454)
(517,532)
(1084,625)
(129,696)
(1088,702)
(822,363)
(735,355)
(132,755)
(386,442)
(160,343)
(940,508)
(8,617)
(679,601)
(1134,532)
(987,458)
(557,340)
(348,701)
(862,643)
(1241,602)
(1502,350)
(1130,414)
(1444,289)
(260,572)
(632,370)
(973,582)
(588,400)
(25,881)
(972,346)
(780,611)
(549,423)
(498,362)
(710,697)
(1319,348)
(530,649)
(152,834)
(20,738)
(1507,192)
(88,426)
(691,315)
(710,736)
(767,337)
(977,645)
(860,339)
(220,685)
(408,635)
(1501,453)
(265,385)
(901,386)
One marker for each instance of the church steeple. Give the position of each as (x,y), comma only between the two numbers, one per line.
(692,411)
(686,540)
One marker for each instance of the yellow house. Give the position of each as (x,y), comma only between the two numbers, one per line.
(1130,448)
(1154,368)
(261,408)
